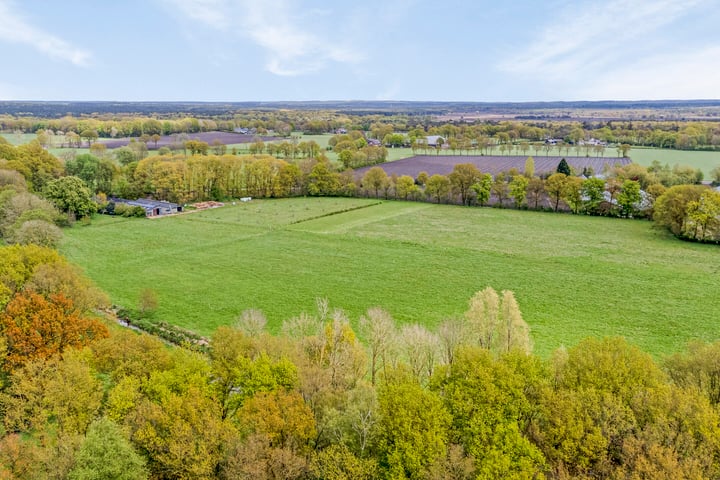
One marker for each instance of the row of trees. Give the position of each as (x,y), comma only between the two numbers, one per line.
(468,186)
(80,399)
(31,177)
(686,135)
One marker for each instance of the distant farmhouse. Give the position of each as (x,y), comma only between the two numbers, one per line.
(434,140)
(153,208)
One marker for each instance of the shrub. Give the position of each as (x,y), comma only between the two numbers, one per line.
(38,232)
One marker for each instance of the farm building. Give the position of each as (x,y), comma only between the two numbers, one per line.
(153,208)
(433,140)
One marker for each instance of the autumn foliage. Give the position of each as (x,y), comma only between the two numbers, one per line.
(37,327)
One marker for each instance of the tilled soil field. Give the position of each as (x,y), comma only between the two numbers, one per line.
(443,164)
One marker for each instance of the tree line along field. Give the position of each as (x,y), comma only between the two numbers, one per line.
(574,276)
(704,160)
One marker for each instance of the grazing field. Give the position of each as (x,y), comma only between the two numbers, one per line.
(705,161)
(443,164)
(226,138)
(18,138)
(574,276)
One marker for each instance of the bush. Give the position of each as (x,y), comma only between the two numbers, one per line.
(138,212)
(169,333)
(120,209)
(38,232)
(125,210)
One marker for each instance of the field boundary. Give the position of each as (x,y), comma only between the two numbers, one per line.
(336,212)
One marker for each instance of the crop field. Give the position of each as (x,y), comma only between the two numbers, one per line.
(573,276)
(443,164)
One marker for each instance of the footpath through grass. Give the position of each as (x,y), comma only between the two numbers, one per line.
(573,276)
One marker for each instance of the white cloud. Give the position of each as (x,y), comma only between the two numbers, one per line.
(15,29)
(686,75)
(289,38)
(212,13)
(593,35)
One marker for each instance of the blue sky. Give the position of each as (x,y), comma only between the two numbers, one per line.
(265,50)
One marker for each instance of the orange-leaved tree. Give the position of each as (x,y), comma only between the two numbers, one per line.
(36,327)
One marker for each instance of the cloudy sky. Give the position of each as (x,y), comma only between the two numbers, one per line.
(265,50)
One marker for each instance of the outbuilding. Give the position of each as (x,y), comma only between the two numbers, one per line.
(153,208)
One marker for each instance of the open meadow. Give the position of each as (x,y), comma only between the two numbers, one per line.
(705,161)
(573,276)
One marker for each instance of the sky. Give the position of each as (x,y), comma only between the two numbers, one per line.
(286,50)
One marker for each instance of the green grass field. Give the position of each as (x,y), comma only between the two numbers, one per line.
(573,276)
(705,161)
(18,138)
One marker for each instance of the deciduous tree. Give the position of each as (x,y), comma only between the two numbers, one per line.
(39,328)
(489,404)
(463,176)
(70,195)
(629,197)
(405,187)
(413,429)
(378,329)
(704,216)
(592,190)
(535,191)
(529,170)
(483,188)
(518,189)
(555,186)
(37,232)
(671,207)
(437,187)
(105,453)
(68,280)
(375,180)
(572,193)
(501,189)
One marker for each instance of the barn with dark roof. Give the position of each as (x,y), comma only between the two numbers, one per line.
(153,208)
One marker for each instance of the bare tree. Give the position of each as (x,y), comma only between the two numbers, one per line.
(514,332)
(251,322)
(378,329)
(497,324)
(482,317)
(451,334)
(421,348)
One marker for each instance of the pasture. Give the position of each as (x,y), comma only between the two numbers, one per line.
(705,161)
(573,276)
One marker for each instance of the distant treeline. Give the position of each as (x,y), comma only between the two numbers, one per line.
(664,130)
(61,108)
